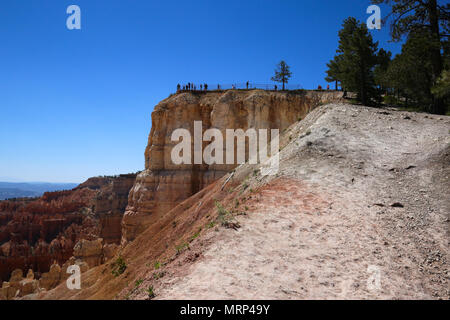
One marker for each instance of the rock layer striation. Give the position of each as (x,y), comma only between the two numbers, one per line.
(163,184)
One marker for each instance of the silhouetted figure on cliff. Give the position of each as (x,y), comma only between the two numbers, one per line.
(178,87)
(247,85)
(206,87)
(276,88)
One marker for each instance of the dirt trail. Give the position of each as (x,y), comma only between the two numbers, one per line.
(325,226)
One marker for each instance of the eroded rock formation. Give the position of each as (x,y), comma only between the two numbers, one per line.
(35,233)
(162,185)
(90,252)
(110,204)
(87,254)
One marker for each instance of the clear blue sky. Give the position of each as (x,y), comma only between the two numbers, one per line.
(77,103)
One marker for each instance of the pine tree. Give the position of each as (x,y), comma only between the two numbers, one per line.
(442,87)
(410,74)
(380,71)
(333,71)
(355,61)
(282,73)
(432,16)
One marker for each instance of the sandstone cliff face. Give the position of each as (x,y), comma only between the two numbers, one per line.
(109,206)
(162,185)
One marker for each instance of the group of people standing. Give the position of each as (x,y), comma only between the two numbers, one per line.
(192,87)
(204,87)
(320,87)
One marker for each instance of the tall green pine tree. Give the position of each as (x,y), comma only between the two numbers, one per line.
(354,63)
(412,17)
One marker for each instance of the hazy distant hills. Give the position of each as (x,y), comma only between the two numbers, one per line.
(30,189)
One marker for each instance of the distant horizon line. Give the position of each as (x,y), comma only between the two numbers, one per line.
(13,180)
(82,180)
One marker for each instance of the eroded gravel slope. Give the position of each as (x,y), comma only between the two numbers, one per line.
(359,189)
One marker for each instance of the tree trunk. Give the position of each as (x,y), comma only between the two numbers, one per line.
(438,104)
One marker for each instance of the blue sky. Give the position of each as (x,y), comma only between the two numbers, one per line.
(78,103)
